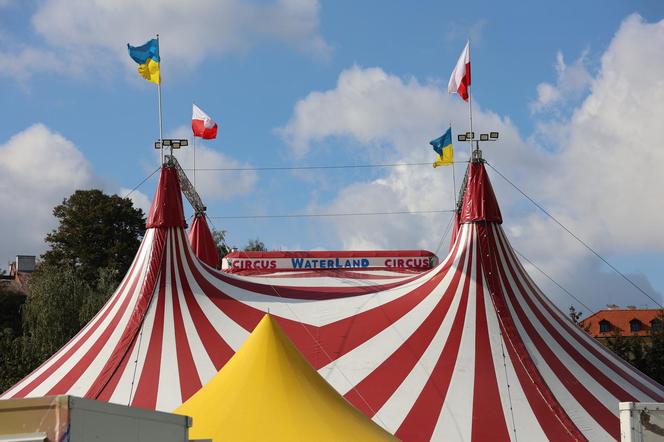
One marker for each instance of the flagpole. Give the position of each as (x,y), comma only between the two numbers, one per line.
(194,161)
(161,122)
(470,107)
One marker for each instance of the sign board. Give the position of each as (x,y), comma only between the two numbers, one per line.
(349,260)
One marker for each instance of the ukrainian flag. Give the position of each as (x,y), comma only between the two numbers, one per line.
(443,147)
(147,57)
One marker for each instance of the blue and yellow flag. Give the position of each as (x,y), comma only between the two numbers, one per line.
(443,147)
(147,57)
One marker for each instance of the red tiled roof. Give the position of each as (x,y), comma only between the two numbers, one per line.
(619,320)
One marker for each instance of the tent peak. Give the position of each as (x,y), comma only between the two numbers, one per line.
(166,209)
(479,203)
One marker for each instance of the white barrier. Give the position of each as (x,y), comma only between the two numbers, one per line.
(641,422)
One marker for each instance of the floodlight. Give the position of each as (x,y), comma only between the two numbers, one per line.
(157,145)
(493,135)
(184,143)
(461,137)
(166,142)
(175,144)
(470,135)
(484,137)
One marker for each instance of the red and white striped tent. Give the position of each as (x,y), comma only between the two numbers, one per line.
(469,350)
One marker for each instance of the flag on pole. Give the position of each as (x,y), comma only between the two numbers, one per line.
(443,147)
(460,78)
(147,57)
(202,125)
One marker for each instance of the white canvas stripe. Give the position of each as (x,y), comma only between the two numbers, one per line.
(456,417)
(68,364)
(577,331)
(348,370)
(394,411)
(229,330)
(96,320)
(204,365)
(525,425)
(170,397)
(581,418)
(566,335)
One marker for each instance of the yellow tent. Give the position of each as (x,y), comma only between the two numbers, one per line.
(268,392)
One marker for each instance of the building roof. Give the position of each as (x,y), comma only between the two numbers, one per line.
(268,391)
(469,350)
(619,321)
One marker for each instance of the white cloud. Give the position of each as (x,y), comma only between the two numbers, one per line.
(40,169)
(138,198)
(601,181)
(572,82)
(81,35)
(214,185)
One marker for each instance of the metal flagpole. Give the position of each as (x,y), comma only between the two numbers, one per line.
(161,123)
(470,109)
(194,143)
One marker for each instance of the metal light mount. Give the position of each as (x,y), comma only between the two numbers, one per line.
(172,143)
(470,136)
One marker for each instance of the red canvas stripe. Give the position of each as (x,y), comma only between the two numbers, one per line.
(154,262)
(108,389)
(61,356)
(336,338)
(551,417)
(586,399)
(216,347)
(190,382)
(374,390)
(421,419)
(148,383)
(596,350)
(488,413)
(590,368)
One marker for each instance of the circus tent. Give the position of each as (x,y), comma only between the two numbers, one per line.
(268,391)
(201,241)
(471,349)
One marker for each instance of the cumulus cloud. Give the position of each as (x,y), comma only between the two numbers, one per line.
(81,35)
(572,82)
(40,169)
(214,185)
(599,181)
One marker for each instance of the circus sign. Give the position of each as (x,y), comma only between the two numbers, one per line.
(268,261)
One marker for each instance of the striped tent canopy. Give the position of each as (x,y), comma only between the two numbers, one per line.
(468,350)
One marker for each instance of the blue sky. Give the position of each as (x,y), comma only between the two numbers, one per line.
(301,82)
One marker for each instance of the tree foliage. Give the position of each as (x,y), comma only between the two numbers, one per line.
(646,354)
(255,245)
(95,231)
(219,238)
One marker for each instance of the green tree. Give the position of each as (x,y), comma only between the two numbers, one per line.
(255,245)
(95,231)
(52,311)
(219,238)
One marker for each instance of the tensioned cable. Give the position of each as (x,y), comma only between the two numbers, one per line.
(141,183)
(322,215)
(553,280)
(576,237)
(332,166)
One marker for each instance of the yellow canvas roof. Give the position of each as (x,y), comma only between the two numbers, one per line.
(268,391)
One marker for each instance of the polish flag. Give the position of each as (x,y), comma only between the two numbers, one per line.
(202,125)
(460,78)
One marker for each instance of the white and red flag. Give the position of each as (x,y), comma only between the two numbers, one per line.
(202,125)
(460,78)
